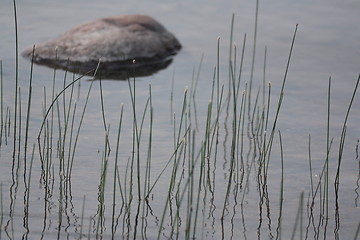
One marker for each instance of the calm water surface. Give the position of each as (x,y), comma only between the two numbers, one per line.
(327,44)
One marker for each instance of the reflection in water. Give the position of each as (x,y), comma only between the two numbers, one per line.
(9,228)
(27,183)
(117,70)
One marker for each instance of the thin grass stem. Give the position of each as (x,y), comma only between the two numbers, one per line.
(279,227)
(115,172)
(16,74)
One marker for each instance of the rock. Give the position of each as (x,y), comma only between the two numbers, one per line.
(117,41)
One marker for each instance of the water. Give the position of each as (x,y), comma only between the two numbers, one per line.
(326,45)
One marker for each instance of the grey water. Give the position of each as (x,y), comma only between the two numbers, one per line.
(326,45)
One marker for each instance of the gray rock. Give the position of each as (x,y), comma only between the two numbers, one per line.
(117,41)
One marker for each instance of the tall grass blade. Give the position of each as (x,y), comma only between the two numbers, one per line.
(279,227)
(253,56)
(116,172)
(16,74)
(29,106)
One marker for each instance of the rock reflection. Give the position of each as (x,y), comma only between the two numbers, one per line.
(118,70)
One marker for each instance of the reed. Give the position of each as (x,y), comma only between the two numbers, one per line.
(340,155)
(178,141)
(281,200)
(253,57)
(16,75)
(116,175)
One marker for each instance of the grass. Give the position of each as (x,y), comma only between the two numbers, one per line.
(216,176)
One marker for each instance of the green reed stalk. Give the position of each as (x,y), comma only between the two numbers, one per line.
(254,122)
(16,74)
(197,76)
(177,149)
(66,113)
(317,190)
(19,134)
(143,117)
(183,111)
(115,173)
(233,148)
(312,202)
(177,152)
(103,108)
(340,153)
(264,75)
(241,67)
(231,71)
(178,193)
(136,141)
(122,194)
(269,145)
(188,187)
(176,156)
(204,154)
(28,107)
(262,121)
(278,229)
(253,57)
(8,124)
(51,127)
(62,92)
(326,188)
(149,153)
(241,119)
(81,118)
(45,166)
(240,140)
(218,73)
(69,162)
(60,142)
(342,139)
(193,90)
(127,199)
(310,165)
(61,175)
(191,165)
(148,162)
(264,155)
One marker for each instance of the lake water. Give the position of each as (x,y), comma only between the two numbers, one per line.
(326,45)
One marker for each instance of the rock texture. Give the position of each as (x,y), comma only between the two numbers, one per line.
(117,41)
